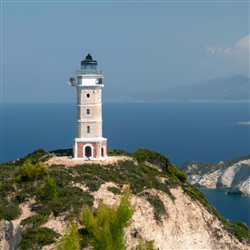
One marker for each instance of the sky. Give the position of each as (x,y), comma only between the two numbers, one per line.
(140,45)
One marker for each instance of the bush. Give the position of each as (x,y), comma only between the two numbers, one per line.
(145,245)
(36,238)
(105,225)
(34,157)
(48,192)
(34,221)
(114,190)
(8,211)
(153,157)
(32,172)
(63,152)
(158,205)
(70,199)
(118,152)
(240,230)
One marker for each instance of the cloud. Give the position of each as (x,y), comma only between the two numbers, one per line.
(239,52)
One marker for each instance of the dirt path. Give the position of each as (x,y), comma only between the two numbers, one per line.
(68,161)
(25,212)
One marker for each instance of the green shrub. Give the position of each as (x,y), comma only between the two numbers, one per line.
(34,157)
(161,161)
(114,190)
(71,240)
(105,225)
(34,239)
(145,245)
(153,157)
(6,187)
(70,199)
(63,152)
(48,192)
(240,230)
(61,175)
(158,205)
(32,172)
(8,210)
(118,152)
(35,220)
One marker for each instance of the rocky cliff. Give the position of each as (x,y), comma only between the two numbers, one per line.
(233,175)
(167,210)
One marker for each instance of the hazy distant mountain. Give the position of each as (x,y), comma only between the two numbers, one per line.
(235,88)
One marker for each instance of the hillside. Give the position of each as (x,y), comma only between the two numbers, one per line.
(134,200)
(232,174)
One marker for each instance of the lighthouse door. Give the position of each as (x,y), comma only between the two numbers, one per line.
(88,152)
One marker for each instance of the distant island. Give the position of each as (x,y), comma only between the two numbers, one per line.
(244,123)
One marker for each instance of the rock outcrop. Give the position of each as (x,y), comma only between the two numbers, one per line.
(236,178)
(10,235)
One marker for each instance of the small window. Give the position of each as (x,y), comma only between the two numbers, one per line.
(88,129)
(88,95)
(87,111)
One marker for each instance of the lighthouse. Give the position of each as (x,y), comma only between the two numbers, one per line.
(89,143)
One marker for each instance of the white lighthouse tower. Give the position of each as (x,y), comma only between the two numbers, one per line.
(89,143)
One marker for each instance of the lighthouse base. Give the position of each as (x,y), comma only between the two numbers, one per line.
(90,148)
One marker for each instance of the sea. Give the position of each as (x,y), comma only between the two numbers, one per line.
(205,132)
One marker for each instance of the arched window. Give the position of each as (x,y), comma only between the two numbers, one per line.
(88,129)
(88,151)
(87,111)
(88,95)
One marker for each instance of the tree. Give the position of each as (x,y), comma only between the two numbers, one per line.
(32,172)
(105,226)
(48,191)
(70,241)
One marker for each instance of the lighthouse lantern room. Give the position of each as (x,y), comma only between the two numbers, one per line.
(89,143)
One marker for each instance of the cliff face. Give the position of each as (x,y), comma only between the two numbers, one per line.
(186,225)
(235,177)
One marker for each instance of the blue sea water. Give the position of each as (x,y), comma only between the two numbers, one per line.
(233,207)
(183,131)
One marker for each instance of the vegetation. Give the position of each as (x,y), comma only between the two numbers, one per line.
(38,155)
(105,226)
(32,172)
(34,221)
(114,190)
(48,191)
(36,238)
(8,210)
(158,205)
(71,239)
(145,245)
(62,152)
(56,190)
